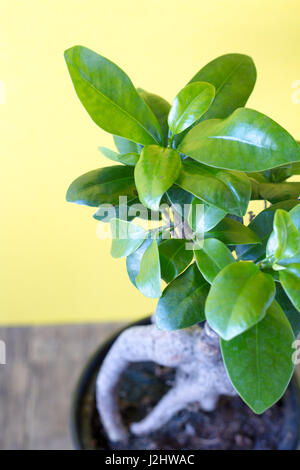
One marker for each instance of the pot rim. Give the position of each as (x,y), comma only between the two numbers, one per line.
(93,363)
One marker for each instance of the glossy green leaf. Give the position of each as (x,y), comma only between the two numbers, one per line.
(126,146)
(285,239)
(278,175)
(296,167)
(255,186)
(227,190)
(203,217)
(155,172)
(259,361)
(133,261)
(232,232)
(262,225)
(179,199)
(126,237)
(287,263)
(183,300)
(189,105)
(129,159)
(233,76)
(293,315)
(176,195)
(277,192)
(239,298)
(258,177)
(290,281)
(295,215)
(212,257)
(104,185)
(160,108)
(110,98)
(245,141)
(174,258)
(148,279)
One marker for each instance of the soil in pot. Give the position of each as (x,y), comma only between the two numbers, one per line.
(232,426)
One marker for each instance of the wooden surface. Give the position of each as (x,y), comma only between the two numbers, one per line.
(43,365)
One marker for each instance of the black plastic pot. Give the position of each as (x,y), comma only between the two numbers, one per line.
(81,430)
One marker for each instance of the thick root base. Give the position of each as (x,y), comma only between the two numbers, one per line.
(200,375)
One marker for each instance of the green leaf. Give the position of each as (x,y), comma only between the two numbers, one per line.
(179,199)
(129,159)
(183,300)
(278,175)
(245,141)
(227,190)
(259,361)
(212,257)
(133,261)
(285,239)
(233,76)
(232,232)
(277,192)
(160,108)
(262,225)
(203,217)
(290,280)
(148,279)
(126,146)
(292,314)
(258,177)
(155,172)
(189,105)
(126,237)
(110,98)
(174,258)
(239,298)
(296,167)
(104,185)
(295,215)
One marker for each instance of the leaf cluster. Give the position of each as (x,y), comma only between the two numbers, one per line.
(205,149)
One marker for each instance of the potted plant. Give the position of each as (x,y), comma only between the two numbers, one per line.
(223,334)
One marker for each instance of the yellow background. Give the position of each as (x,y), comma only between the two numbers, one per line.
(53,267)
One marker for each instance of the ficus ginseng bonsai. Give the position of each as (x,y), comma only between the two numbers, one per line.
(206,150)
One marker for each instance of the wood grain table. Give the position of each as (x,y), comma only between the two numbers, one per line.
(43,365)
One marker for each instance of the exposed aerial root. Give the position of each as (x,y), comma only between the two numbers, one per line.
(200,374)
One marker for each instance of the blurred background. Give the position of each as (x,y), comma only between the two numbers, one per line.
(54,269)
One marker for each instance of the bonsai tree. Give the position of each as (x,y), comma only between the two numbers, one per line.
(229,314)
